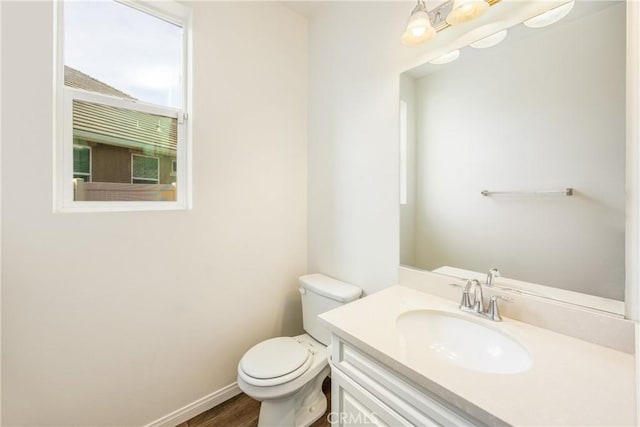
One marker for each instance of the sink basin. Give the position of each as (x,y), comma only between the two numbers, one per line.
(469,344)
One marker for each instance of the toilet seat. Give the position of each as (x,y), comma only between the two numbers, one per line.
(274,361)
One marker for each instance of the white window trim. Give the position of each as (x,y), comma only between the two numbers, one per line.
(90,162)
(63,127)
(151,181)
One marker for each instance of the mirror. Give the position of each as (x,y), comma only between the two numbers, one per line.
(525,120)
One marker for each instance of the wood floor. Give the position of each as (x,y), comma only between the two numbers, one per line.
(242,411)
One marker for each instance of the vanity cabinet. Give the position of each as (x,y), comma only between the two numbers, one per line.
(364,392)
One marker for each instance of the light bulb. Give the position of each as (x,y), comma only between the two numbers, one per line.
(418,31)
(409,39)
(419,23)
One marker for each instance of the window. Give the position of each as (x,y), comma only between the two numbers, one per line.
(82,163)
(144,169)
(123,133)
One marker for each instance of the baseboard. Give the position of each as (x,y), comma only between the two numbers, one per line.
(199,406)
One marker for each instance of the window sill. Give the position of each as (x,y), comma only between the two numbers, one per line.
(88,207)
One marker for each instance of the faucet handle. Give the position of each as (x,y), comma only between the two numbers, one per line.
(493,273)
(493,311)
(465,302)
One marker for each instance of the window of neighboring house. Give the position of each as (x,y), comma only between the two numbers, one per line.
(144,169)
(82,163)
(123,79)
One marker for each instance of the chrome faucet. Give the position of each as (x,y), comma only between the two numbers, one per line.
(478,298)
(466,304)
(493,273)
(477,306)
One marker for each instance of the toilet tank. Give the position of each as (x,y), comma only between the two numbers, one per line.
(321,293)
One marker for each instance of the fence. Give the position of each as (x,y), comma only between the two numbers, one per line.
(110,191)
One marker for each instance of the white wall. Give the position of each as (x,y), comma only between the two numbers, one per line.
(542,112)
(118,319)
(353,140)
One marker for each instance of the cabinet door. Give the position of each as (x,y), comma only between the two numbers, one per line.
(354,406)
(418,407)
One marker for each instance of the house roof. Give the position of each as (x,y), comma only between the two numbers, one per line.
(78,79)
(118,126)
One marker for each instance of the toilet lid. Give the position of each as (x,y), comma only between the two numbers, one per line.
(274,358)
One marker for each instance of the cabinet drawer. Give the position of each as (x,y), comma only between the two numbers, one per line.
(415,404)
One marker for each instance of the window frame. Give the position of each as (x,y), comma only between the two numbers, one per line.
(64,96)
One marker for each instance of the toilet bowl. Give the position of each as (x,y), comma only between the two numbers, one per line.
(291,395)
(286,373)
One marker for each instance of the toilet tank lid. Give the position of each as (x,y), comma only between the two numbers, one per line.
(330,287)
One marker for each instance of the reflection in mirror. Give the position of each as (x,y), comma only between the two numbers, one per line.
(543,110)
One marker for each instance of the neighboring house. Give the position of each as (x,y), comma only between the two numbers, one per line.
(115,145)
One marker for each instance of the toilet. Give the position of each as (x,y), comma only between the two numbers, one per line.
(286,373)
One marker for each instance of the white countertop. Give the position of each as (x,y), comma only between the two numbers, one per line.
(571,382)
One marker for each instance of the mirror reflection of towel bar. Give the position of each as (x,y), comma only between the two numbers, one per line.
(563,192)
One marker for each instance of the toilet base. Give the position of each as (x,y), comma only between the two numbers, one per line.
(298,410)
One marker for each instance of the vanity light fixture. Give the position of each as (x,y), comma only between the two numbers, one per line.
(423,24)
(466,10)
(419,28)
(550,17)
(490,41)
(446,58)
